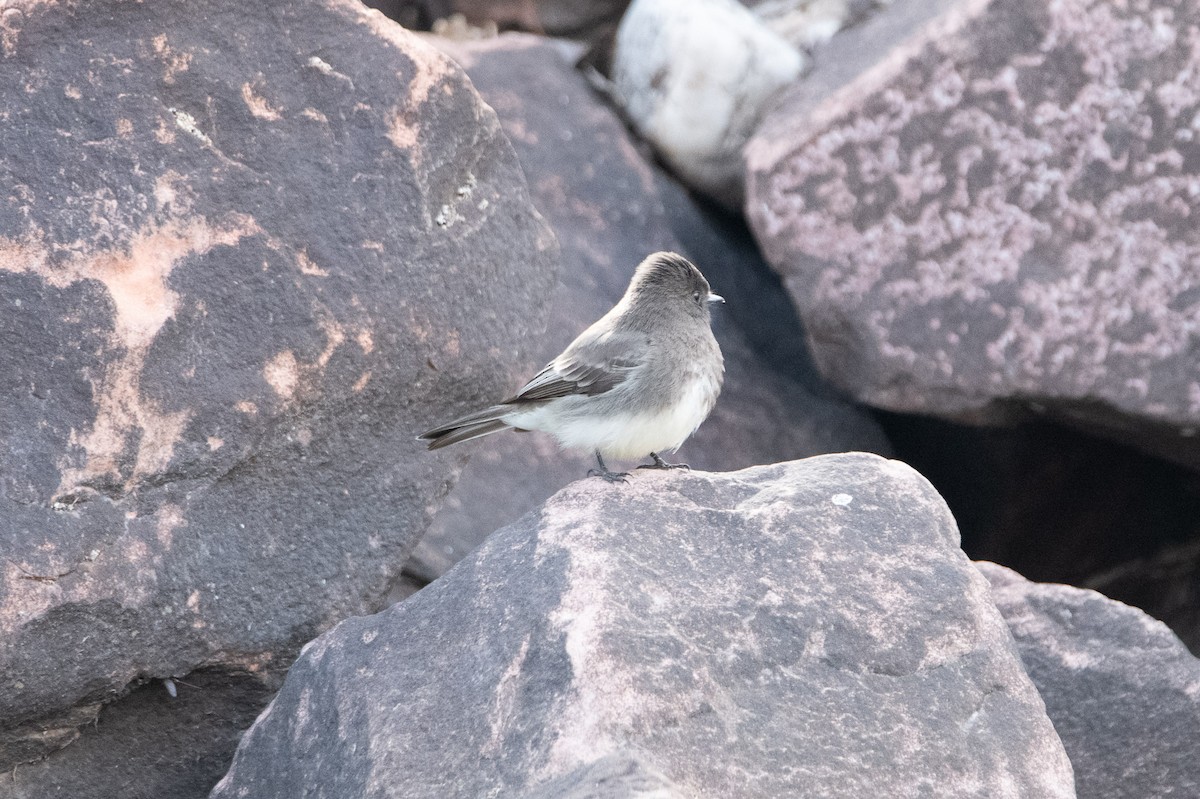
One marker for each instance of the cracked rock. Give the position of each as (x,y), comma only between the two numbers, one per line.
(809,628)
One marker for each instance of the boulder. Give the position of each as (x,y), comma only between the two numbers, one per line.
(693,77)
(807,628)
(247,252)
(985,209)
(1122,690)
(609,209)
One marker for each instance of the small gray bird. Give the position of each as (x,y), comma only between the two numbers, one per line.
(640,380)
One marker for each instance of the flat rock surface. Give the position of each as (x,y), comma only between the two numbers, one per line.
(807,628)
(978,204)
(1122,690)
(246,254)
(609,209)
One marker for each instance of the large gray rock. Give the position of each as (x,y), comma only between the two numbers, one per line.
(809,628)
(980,205)
(247,252)
(1122,690)
(609,208)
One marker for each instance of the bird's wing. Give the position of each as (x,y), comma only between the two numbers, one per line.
(590,366)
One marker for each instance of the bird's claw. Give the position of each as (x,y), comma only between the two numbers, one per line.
(659,463)
(612,477)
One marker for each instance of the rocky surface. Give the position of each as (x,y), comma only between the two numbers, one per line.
(804,628)
(693,77)
(1122,690)
(609,208)
(224,247)
(979,205)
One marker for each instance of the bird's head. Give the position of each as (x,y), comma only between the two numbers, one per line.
(666,281)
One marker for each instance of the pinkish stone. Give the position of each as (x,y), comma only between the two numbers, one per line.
(986,206)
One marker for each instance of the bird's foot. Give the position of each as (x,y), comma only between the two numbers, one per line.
(659,463)
(606,473)
(612,477)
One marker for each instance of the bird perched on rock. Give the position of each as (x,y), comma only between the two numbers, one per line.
(640,380)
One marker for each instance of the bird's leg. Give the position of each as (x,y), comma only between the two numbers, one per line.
(612,477)
(659,463)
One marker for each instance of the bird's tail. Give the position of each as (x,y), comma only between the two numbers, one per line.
(465,428)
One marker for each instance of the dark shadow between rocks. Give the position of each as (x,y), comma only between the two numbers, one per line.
(1047,501)
(150,745)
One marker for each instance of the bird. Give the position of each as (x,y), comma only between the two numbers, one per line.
(638,381)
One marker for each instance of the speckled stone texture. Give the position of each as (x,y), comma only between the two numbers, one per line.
(1121,689)
(247,252)
(610,208)
(985,205)
(804,629)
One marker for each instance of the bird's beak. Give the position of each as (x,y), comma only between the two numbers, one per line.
(715,297)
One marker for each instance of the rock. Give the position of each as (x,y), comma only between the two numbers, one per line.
(610,209)
(152,744)
(983,207)
(1166,585)
(246,254)
(807,628)
(693,77)
(1122,690)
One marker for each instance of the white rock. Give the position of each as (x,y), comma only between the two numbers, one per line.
(694,76)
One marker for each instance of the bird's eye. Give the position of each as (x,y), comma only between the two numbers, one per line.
(696,296)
